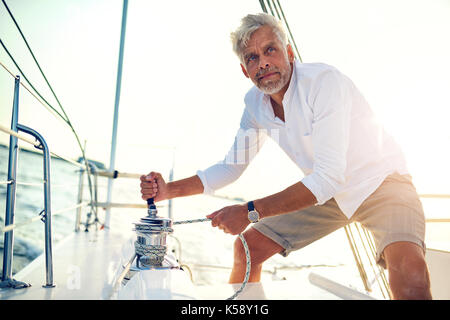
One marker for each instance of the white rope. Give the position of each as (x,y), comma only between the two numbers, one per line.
(156,254)
(247,256)
(15,134)
(37,144)
(38,217)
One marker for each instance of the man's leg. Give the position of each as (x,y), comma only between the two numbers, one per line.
(283,234)
(261,248)
(408,272)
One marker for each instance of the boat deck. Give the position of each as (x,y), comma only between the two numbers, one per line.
(86,263)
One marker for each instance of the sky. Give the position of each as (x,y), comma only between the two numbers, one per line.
(182,87)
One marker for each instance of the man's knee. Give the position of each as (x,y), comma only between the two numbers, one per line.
(260,248)
(408,275)
(413,280)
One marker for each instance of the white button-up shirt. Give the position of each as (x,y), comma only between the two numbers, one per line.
(330,132)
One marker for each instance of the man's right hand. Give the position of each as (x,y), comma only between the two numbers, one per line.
(154,186)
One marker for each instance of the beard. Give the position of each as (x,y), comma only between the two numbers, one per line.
(273,86)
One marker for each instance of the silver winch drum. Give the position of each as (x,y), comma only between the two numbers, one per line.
(151,245)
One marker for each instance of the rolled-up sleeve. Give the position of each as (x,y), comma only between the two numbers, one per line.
(247,143)
(331,104)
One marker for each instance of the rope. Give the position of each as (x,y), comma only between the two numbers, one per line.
(39,217)
(247,256)
(357,257)
(65,117)
(36,144)
(29,83)
(156,254)
(191,221)
(282,18)
(35,60)
(370,260)
(247,271)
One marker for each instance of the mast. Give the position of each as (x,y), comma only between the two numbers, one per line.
(112,160)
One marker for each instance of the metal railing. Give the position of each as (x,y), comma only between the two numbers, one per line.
(108,204)
(11,183)
(7,280)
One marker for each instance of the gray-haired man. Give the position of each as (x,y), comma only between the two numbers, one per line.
(354,170)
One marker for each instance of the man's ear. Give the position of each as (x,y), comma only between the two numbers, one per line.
(244,71)
(290,53)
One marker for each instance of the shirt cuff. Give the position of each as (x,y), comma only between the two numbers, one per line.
(320,187)
(206,188)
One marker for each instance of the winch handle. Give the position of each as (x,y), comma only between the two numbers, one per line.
(151,202)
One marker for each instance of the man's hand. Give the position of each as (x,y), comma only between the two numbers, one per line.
(154,186)
(231,219)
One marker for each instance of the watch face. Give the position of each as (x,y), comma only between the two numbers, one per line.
(253,216)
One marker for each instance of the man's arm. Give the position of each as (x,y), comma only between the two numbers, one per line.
(293,198)
(234,219)
(154,186)
(185,187)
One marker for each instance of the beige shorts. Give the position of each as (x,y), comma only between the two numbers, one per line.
(392,213)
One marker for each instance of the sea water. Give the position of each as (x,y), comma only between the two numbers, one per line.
(206,252)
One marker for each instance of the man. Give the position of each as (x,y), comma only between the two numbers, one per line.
(354,171)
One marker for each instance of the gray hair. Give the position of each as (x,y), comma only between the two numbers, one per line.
(250,24)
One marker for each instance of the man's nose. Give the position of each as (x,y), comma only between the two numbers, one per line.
(263,63)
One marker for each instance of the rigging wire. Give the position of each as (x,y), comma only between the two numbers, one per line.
(51,110)
(65,117)
(29,83)
(282,18)
(35,60)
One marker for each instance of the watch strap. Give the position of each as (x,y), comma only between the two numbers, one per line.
(250,206)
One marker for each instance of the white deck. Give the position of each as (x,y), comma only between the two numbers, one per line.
(86,263)
(82,264)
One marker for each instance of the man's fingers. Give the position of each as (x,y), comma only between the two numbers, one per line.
(150,177)
(213,215)
(154,176)
(215,220)
(149,185)
(146,196)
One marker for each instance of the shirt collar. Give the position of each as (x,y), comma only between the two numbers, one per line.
(292,85)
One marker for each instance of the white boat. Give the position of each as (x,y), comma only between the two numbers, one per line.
(103,264)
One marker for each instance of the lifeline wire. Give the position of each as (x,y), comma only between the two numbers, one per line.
(65,117)
(247,255)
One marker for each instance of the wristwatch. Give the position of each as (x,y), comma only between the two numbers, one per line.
(253,215)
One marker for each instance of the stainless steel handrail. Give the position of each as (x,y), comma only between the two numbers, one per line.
(36,144)
(7,280)
(10,194)
(47,204)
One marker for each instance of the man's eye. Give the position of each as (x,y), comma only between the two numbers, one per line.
(270,49)
(251,58)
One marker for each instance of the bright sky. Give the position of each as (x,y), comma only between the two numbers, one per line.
(182,87)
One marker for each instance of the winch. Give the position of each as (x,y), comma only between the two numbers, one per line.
(151,254)
(151,242)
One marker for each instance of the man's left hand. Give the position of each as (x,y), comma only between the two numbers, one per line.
(231,219)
